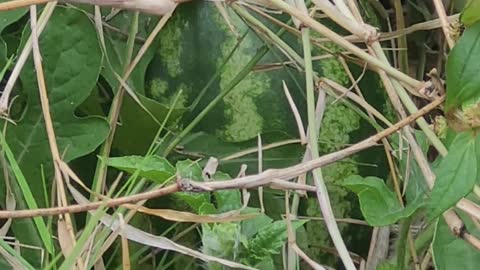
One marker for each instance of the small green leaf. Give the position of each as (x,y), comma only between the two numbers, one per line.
(456,174)
(9,17)
(463,67)
(450,252)
(471,12)
(191,170)
(154,168)
(379,205)
(221,240)
(270,239)
(226,200)
(250,227)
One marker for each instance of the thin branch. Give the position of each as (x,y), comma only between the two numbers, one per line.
(241,182)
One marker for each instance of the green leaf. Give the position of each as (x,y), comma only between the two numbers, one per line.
(270,239)
(471,12)
(221,240)
(226,200)
(138,128)
(191,170)
(456,174)
(9,17)
(154,168)
(72,65)
(250,227)
(463,67)
(379,205)
(450,252)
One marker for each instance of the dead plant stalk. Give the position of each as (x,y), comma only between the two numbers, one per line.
(250,181)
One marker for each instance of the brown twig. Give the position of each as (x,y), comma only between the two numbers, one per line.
(250,181)
(157,7)
(442,15)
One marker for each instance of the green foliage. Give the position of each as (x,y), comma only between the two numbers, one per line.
(154,168)
(450,252)
(379,205)
(221,240)
(27,196)
(463,69)
(456,174)
(202,61)
(138,128)
(72,65)
(9,17)
(471,12)
(191,170)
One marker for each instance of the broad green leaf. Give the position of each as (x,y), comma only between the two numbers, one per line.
(191,170)
(226,200)
(266,264)
(270,239)
(379,205)
(463,67)
(207,209)
(450,252)
(456,174)
(154,168)
(250,227)
(138,129)
(471,12)
(72,65)
(9,17)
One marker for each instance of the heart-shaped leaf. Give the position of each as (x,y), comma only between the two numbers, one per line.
(72,60)
(379,205)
